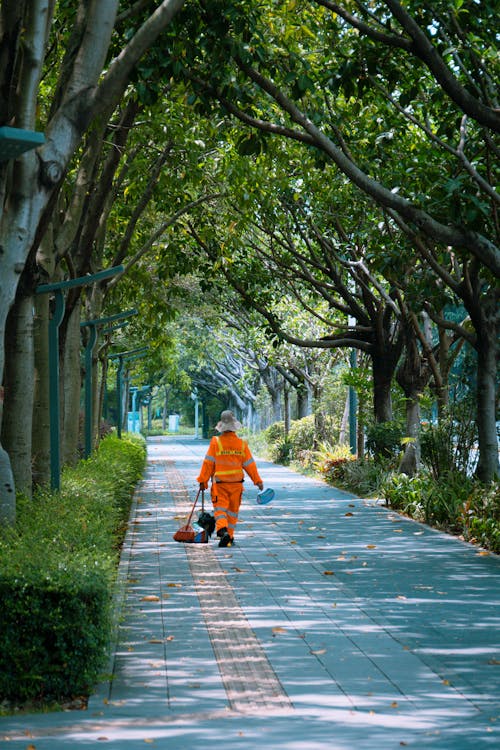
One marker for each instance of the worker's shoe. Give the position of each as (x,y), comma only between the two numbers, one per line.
(225,539)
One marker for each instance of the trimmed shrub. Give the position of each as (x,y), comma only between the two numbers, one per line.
(57,570)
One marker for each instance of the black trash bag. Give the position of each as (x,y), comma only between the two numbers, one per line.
(207,522)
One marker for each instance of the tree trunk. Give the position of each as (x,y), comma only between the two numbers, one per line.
(7,493)
(383,372)
(412,375)
(165,407)
(125,400)
(41,406)
(15,234)
(275,394)
(18,380)
(360,427)
(103,359)
(71,384)
(343,436)
(286,408)
(304,398)
(487,361)
(410,463)
(96,412)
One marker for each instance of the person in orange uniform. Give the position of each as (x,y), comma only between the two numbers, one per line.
(228,456)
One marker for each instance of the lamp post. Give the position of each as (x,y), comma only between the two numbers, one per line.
(54,323)
(15,141)
(194,396)
(123,357)
(93,325)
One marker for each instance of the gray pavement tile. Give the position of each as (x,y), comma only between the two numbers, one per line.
(333,623)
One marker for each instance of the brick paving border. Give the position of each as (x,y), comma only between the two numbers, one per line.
(249,679)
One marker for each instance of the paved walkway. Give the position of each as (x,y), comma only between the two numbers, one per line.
(333,623)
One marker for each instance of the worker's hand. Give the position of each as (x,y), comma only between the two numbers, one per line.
(260,485)
(203,486)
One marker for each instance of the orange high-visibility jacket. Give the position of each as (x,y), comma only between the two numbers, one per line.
(226,459)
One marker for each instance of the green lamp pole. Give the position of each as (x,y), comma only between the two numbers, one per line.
(93,326)
(54,323)
(123,357)
(15,141)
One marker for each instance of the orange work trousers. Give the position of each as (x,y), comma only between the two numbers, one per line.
(226,499)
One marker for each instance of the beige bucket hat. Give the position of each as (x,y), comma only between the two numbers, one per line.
(228,422)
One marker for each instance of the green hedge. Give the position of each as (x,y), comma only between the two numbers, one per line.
(57,571)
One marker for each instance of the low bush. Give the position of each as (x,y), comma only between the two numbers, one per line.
(274,432)
(363,476)
(302,435)
(383,439)
(57,569)
(329,461)
(453,502)
(300,443)
(448,445)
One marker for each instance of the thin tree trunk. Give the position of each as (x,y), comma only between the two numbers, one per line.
(165,407)
(304,397)
(18,380)
(286,408)
(345,420)
(41,406)
(487,350)
(103,359)
(96,412)
(71,383)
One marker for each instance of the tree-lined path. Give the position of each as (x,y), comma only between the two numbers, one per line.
(332,623)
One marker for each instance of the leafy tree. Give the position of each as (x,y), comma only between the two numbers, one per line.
(401,100)
(90,85)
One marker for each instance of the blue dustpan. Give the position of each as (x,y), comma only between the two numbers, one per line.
(265,496)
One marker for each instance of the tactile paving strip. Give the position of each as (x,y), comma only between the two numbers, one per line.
(249,680)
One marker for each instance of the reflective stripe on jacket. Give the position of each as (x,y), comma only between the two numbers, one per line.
(226,459)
